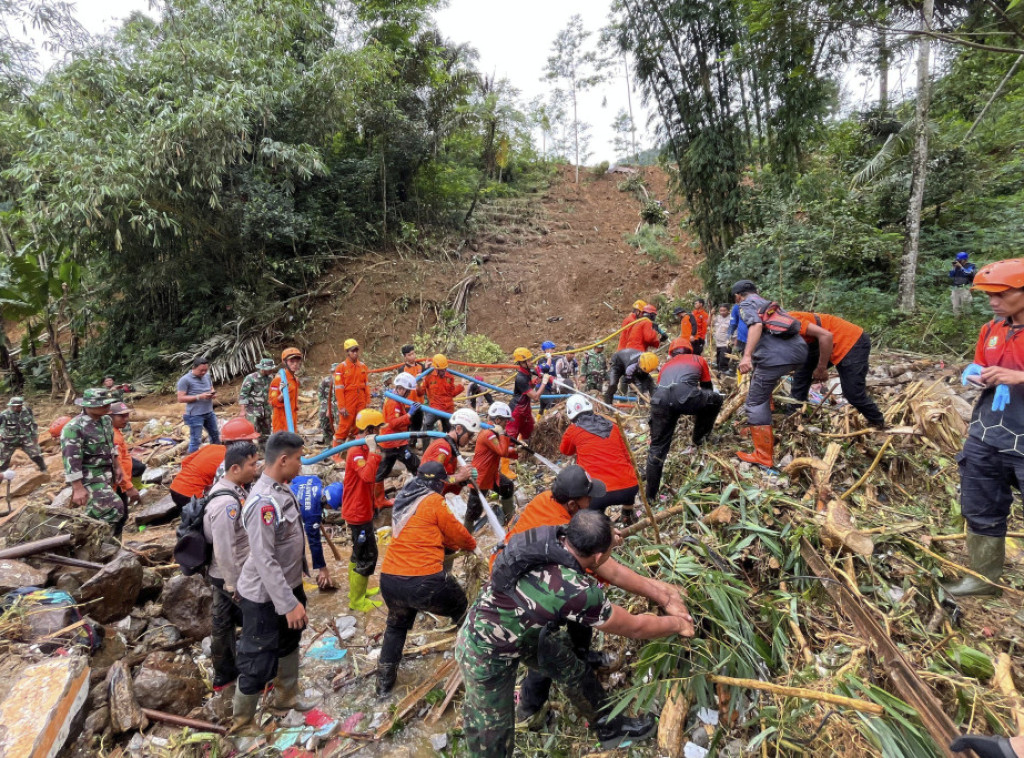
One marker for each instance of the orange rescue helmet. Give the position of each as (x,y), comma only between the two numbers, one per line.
(368,417)
(237,429)
(679,344)
(58,426)
(648,362)
(439,362)
(290,352)
(1000,276)
(650,310)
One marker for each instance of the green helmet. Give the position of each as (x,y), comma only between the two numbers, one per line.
(96,397)
(16,401)
(266,364)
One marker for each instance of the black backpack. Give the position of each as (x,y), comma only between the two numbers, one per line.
(192,551)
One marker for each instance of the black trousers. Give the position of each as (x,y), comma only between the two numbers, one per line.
(406,596)
(179,500)
(364,548)
(722,358)
(227,617)
(626,496)
(536,686)
(265,638)
(853,372)
(988,478)
(703,405)
(643,383)
(392,455)
(698,346)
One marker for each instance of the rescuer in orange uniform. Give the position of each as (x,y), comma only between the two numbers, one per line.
(199,469)
(633,315)
(465,423)
(357,508)
(491,446)
(414,367)
(528,386)
(440,389)
(291,357)
(701,335)
(399,419)
(350,390)
(642,335)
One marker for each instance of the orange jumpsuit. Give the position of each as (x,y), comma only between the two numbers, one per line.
(279,419)
(126,461)
(415,369)
(352,394)
(641,336)
(624,335)
(441,390)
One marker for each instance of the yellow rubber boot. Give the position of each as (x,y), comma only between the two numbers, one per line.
(357,599)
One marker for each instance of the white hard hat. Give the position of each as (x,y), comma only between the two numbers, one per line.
(499,410)
(576,405)
(406,381)
(9,475)
(466,418)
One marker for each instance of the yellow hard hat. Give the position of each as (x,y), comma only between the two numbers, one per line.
(350,343)
(439,361)
(648,362)
(369,417)
(522,354)
(639,305)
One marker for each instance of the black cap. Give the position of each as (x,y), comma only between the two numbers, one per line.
(743,286)
(573,482)
(406,349)
(433,474)
(679,310)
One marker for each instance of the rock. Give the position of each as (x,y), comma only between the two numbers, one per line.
(15,574)
(69,583)
(125,713)
(207,646)
(699,737)
(63,498)
(160,512)
(439,741)
(161,633)
(693,750)
(186,601)
(98,720)
(40,707)
(152,585)
(27,481)
(149,495)
(155,475)
(112,592)
(161,684)
(132,627)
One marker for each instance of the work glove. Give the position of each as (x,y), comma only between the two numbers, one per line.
(414,408)
(972,370)
(1002,398)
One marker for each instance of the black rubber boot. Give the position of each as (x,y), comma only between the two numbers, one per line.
(38,460)
(985,556)
(387,675)
(623,729)
(984,747)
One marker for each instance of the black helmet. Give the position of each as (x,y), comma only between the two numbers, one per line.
(743,286)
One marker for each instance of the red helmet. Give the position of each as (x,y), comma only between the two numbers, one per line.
(58,426)
(650,309)
(680,344)
(1000,276)
(237,429)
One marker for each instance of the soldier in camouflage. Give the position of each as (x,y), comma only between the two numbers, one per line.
(90,458)
(328,406)
(594,369)
(543,573)
(253,397)
(18,429)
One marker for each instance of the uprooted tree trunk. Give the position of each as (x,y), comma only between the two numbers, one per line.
(60,377)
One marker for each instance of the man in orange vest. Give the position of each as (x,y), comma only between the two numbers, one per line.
(357,508)
(643,335)
(351,390)
(702,318)
(413,366)
(399,419)
(291,357)
(632,316)
(440,389)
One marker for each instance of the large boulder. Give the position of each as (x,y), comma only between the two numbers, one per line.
(160,512)
(164,684)
(15,575)
(27,480)
(187,601)
(125,713)
(112,592)
(39,709)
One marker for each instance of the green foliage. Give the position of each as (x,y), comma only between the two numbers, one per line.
(653,212)
(599,170)
(449,336)
(634,185)
(651,241)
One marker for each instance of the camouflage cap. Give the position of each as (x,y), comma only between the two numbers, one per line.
(119,409)
(96,397)
(266,364)
(16,401)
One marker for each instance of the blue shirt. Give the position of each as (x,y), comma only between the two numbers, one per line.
(964,275)
(737,326)
(309,491)
(193,385)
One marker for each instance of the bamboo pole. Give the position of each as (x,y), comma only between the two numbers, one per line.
(874,465)
(799,692)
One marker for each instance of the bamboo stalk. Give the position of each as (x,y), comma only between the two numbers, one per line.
(799,692)
(1003,680)
(874,465)
(170,718)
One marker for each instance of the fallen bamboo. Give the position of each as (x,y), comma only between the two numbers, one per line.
(963,536)
(36,546)
(1003,680)
(411,700)
(672,723)
(908,431)
(451,687)
(430,647)
(62,560)
(958,567)
(170,718)
(778,689)
(642,524)
(874,465)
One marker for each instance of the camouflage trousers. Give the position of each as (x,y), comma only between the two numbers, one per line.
(260,420)
(488,708)
(8,446)
(327,426)
(103,503)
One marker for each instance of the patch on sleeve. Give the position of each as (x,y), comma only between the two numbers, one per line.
(268,513)
(232,510)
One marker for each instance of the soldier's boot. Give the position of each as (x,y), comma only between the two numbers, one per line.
(286,685)
(764,447)
(357,599)
(387,675)
(38,460)
(508,508)
(612,733)
(985,556)
(243,710)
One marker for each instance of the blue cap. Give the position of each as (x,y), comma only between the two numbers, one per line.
(334,493)
(962,255)
(547,345)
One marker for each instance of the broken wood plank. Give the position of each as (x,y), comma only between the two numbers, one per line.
(170,718)
(450,688)
(36,546)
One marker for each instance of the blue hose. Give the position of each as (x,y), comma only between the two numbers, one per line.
(380,438)
(620,398)
(427,408)
(283,376)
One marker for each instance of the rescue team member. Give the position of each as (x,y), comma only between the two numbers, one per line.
(737,330)
(635,368)
(546,367)
(327,406)
(270,586)
(90,459)
(398,417)
(992,461)
(357,509)
(720,331)
(18,430)
(573,490)
(527,388)
(539,583)
(960,276)
(491,446)
(413,367)
(223,529)
(464,425)
(688,326)
(600,448)
(350,390)
(702,318)
(642,335)
(684,389)
(124,489)
(770,357)
(632,316)
(594,369)
(851,351)
(199,470)
(195,390)
(291,358)
(440,389)
(254,397)
(412,577)
(312,496)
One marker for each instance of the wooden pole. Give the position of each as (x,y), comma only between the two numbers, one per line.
(37,546)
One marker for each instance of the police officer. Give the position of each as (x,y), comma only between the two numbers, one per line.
(539,583)
(18,429)
(223,529)
(313,496)
(633,366)
(270,585)
(684,389)
(253,397)
(90,458)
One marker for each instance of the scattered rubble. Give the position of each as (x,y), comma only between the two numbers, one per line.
(111,594)
(186,601)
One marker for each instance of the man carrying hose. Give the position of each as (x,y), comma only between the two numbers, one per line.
(440,389)
(528,387)
(291,357)
(351,390)
(399,419)
(491,446)
(357,509)
(643,335)
(632,316)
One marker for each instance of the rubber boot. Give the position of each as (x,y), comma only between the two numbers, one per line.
(387,675)
(380,500)
(985,556)
(243,710)
(357,599)
(764,447)
(286,685)
(38,460)
(508,508)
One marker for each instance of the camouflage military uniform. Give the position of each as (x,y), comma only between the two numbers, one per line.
(498,635)
(253,395)
(594,370)
(18,429)
(87,445)
(328,406)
